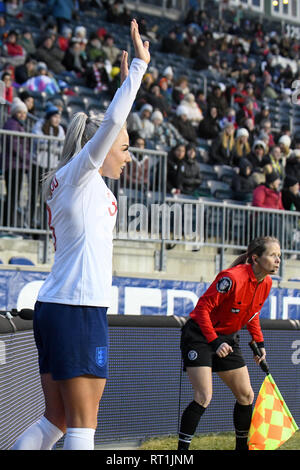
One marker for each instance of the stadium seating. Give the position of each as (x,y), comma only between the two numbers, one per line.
(20,260)
(220,190)
(225,173)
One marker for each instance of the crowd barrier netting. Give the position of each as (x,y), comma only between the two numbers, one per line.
(147,390)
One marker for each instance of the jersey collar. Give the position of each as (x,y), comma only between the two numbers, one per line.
(251,273)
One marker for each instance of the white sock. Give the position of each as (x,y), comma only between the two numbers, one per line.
(41,435)
(79,439)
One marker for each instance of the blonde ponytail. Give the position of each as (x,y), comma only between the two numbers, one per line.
(80,130)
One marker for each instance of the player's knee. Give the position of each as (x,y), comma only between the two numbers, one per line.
(246,397)
(203,398)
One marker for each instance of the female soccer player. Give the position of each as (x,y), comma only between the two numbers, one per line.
(70,323)
(210,342)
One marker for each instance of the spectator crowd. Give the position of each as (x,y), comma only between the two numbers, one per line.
(227,124)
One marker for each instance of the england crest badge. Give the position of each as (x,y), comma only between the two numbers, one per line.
(101,356)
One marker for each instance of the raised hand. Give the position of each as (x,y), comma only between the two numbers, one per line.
(124,66)
(141,48)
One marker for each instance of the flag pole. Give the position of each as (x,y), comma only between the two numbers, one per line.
(257,352)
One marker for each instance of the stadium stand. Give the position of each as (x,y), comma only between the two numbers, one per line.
(225,65)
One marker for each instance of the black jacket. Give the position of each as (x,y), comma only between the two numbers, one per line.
(293,167)
(219,154)
(243,184)
(209,128)
(289,199)
(186,129)
(183,174)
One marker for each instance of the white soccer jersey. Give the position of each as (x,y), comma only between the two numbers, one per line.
(82,212)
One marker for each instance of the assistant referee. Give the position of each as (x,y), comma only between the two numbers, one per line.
(210,340)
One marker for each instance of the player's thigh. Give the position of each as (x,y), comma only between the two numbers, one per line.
(238,381)
(201,381)
(81,397)
(54,405)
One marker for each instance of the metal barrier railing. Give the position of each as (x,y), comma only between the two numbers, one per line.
(145,211)
(232,226)
(26,158)
(5,114)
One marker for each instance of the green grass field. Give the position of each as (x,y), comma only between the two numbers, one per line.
(219,441)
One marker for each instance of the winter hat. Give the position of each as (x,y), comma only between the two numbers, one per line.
(146,107)
(189,98)
(181,110)
(244,163)
(41,66)
(80,30)
(290,181)
(51,110)
(259,142)
(242,132)
(18,105)
(66,31)
(285,140)
(168,71)
(157,115)
(271,177)
(222,87)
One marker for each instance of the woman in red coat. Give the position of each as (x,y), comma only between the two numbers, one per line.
(210,340)
(268,194)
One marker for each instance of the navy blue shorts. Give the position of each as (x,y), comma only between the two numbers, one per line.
(72,340)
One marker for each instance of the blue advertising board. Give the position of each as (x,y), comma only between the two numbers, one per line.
(142,296)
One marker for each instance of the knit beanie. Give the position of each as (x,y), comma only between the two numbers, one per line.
(146,107)
(285,140)
(242,132)
(18,105)
(181,110)
(259,142)
(168,71)
(271,177)
(157,115)
(51,110)
(290,181)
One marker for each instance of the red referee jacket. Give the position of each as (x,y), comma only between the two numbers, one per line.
(232,301)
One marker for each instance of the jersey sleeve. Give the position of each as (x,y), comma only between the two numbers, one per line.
(254,328)
(253,325)
(216,294)
(93,154)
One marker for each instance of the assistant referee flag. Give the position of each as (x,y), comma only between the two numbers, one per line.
(272,423)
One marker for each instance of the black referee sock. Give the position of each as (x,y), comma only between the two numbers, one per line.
(189,422)
(242,420)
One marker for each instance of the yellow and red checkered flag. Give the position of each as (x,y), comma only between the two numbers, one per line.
(272,423)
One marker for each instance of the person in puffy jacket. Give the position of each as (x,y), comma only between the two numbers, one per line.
(242,183)
(290,194)
(210,340)
(268,194)
(190,172)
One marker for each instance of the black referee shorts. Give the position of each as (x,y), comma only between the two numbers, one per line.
(197,352)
